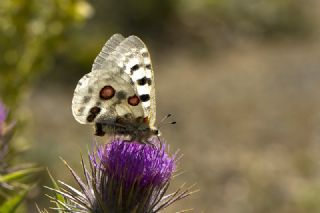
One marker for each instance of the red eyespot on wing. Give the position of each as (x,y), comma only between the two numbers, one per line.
(146,120)
(107,92)
(133,100)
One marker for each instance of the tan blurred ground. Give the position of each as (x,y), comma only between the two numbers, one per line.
(245,97)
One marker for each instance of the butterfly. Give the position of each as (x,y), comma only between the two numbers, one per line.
(118,95)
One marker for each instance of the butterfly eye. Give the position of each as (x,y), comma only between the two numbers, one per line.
(107,92)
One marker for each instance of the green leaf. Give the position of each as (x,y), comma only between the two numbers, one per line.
(11,204)
(16,175)
(56,186)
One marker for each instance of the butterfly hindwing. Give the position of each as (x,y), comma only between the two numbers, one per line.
(101,96)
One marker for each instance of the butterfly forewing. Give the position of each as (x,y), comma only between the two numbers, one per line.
(108,48)
(92,103)
(148,81)
(133,57)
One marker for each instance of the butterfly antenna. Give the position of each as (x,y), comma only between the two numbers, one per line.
(161,123)
(165,118)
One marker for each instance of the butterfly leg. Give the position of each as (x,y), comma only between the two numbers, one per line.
(99,130)
(150,143)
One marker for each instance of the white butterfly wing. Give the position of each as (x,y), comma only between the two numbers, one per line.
(101,60)
(149,86)
(89,106)
(125,65)
(133,57)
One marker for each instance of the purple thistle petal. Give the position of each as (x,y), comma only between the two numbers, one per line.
(3,117)
(3,113)
(130,163)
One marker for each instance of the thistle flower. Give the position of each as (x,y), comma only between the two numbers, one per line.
(4,138)
(124,177)
(134,163)
(15,177)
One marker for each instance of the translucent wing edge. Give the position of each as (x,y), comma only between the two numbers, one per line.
(109,47)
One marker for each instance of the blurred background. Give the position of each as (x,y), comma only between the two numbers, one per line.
(242,79)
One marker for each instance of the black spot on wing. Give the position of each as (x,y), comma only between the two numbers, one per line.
(86,99)
(122,69)
(148,66)
(95,110)
(144,81)
(91,117)
(144,97)
(121,95)
(134,68)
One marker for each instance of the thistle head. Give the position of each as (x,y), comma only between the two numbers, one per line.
(135,164)
(138,175)
(124,177)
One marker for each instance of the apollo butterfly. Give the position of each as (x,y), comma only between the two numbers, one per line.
(118,95)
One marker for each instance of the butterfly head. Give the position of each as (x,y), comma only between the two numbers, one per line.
(156,132)
(150,133)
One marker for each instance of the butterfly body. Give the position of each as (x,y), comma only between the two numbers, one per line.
(135,131)
(118,96)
